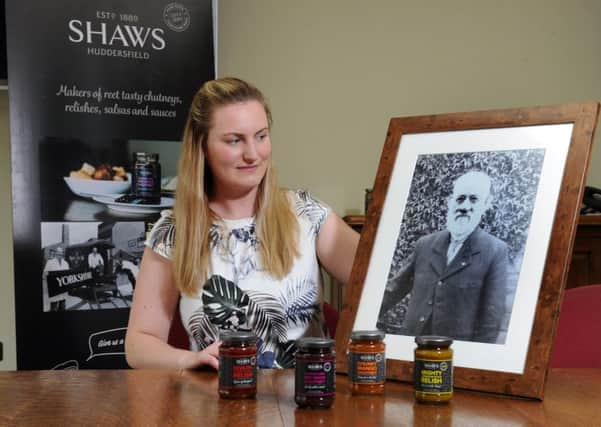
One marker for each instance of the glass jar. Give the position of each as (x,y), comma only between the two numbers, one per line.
(367,362)
(433,369)
(238,365)
(146,177)
(315,375)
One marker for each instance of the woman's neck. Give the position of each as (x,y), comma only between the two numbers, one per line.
(234,206)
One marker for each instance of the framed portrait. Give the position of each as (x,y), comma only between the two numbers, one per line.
(469,235)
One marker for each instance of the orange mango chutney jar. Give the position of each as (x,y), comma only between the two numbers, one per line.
(367,362)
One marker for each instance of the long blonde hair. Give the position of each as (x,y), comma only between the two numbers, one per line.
(276,224)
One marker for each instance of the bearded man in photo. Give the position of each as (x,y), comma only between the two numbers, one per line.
(457,277)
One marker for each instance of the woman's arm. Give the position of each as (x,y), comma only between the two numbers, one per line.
(336,247)
(154,303)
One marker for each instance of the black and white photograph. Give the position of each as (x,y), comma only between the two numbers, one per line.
(90,265)
(462,241)
(460,245)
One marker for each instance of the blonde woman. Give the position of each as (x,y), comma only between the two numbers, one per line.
(238,252)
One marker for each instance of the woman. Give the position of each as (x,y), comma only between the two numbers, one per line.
(247,251)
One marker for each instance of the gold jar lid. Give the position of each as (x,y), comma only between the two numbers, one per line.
(433,340)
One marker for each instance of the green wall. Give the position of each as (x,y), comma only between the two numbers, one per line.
(336,71)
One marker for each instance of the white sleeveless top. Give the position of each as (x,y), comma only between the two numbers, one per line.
(239,295)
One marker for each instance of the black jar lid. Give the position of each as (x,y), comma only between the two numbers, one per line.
(237,337)
(314,343)
(433,340)
(368,335)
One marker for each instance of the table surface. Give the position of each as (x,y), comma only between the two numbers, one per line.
(159,398)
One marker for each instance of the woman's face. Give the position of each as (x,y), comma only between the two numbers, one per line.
(238,148)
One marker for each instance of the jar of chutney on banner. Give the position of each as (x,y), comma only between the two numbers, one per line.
(146,178)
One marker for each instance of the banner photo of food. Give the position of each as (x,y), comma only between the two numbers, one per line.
(99,95)
(120,180)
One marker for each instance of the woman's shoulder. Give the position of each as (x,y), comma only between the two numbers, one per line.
(309,207)
(161,238)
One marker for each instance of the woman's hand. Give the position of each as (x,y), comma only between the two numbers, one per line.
(150,318)
(209,356)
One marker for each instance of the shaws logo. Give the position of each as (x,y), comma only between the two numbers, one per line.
(176,17)
(116,35)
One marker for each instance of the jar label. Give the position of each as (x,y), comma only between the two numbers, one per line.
(433,376)
(238,371)
(367,367)
(315,379)
(147,181)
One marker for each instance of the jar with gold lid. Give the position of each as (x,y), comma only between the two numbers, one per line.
(433,369)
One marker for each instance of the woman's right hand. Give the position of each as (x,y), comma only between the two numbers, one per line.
(194,359)
(150,318)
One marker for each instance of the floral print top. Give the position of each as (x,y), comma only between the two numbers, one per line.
(239,295)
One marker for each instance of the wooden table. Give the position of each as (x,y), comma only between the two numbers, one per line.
(160,398)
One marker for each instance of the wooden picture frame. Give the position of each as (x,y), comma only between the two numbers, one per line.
(563,134)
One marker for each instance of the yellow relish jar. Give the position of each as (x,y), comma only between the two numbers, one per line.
(433,369)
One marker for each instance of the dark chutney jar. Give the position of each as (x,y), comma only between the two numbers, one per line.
(146,178)
(433,369)
(367,362)
(315,375)
(238,365)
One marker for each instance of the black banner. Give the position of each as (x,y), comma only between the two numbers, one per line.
(91,84)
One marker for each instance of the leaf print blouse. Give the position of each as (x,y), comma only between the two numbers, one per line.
(239,295)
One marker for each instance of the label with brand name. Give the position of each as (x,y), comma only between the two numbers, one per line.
(315,379)
(238,371)
(367,367)
(433,376)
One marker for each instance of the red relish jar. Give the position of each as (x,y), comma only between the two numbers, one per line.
(238,365)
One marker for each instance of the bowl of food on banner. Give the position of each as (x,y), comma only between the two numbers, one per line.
(106,179)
